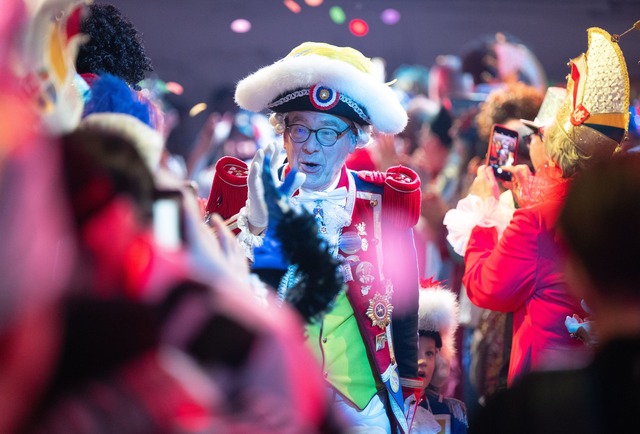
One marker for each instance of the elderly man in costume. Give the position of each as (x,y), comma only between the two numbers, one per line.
(325,101)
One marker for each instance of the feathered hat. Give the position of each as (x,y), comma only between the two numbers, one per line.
(438,315)
(321,77)
(595,113)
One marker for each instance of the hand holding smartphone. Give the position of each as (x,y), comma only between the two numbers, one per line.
(503,148)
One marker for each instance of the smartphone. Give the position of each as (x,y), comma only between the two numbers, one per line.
(168,222)
(503,148)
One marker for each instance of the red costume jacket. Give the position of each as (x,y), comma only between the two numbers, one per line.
(382,276)
(379,264)
(522,274)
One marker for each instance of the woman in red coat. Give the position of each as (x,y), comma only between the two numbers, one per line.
(515,267)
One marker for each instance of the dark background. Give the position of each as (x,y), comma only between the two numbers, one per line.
(190,41)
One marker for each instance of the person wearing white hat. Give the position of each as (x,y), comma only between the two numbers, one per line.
(438,322)
(325,101)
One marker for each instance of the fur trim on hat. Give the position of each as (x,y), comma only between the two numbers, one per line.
(438,312)
(378,100)
(147,141)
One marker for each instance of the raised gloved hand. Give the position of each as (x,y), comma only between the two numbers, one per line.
(256,207)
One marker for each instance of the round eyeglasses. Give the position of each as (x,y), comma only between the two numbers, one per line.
(325,136)
(528,138)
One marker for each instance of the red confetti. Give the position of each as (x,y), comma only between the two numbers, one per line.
(292,6)
(358,27)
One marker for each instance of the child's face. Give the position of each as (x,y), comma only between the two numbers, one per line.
(426,358)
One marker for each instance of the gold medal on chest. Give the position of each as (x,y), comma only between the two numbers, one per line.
(379,311)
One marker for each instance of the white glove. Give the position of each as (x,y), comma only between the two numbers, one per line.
(256,208)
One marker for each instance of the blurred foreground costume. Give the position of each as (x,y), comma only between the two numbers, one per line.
(151,348)
(117,338)
(367,341)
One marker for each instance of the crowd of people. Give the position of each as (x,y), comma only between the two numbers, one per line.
(335,255)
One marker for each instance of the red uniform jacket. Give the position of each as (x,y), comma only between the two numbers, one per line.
(522,274)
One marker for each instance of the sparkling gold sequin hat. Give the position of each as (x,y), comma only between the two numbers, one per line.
(595,112)
(321,77)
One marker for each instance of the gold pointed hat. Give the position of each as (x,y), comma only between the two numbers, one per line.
(595,112)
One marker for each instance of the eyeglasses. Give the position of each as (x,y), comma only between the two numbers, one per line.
(325,136)
(528,138)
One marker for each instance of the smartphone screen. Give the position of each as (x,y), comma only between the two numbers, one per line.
(503,148)
(167,219)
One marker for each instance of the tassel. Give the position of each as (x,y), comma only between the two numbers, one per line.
(229,188)
(401,199)
(318,272)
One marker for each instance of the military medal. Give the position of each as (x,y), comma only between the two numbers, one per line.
(381,341)
(379,311)
(394,381)
(364,274)
(364,244)
(346,272)
(350,242)
(318,213)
